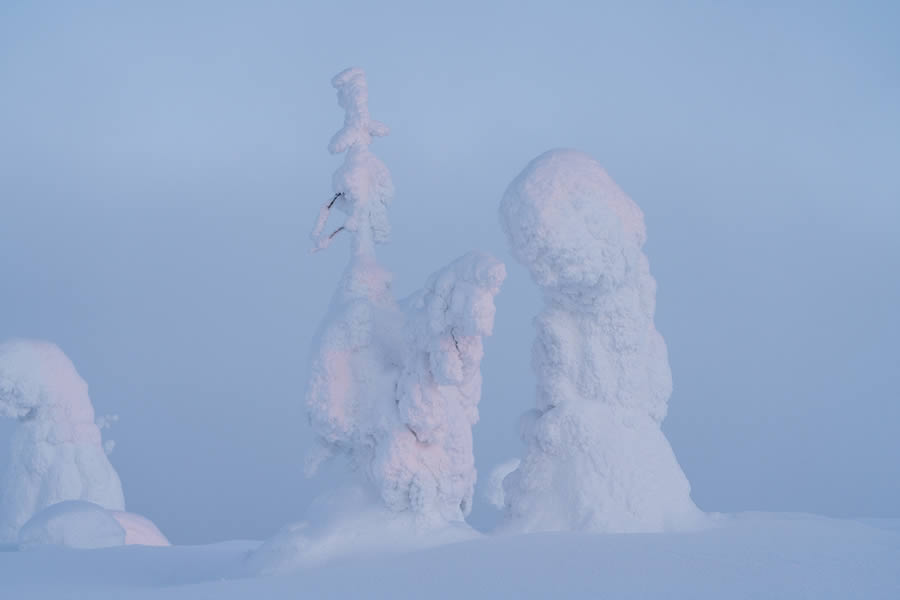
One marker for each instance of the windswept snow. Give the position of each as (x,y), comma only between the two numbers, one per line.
(57,452)
(362,184)
(596,458)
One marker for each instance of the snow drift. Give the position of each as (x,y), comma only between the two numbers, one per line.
(596,458)
(58,456)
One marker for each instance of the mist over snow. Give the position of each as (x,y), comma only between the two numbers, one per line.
(339,379)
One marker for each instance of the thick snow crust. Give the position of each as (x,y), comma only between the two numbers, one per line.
(596,458)
(57,452)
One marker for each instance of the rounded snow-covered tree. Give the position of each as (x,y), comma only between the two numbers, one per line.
(393,387)
(57,451)
(596,457)
(58,463)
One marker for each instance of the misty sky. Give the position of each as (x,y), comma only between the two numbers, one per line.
(162,163)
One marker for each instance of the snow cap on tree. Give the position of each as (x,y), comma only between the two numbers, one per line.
(362,184)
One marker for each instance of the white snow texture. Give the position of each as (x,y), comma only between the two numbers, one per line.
(596,458)
(395,386)
(57,452)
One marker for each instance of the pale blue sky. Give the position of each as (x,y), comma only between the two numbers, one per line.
(162,163)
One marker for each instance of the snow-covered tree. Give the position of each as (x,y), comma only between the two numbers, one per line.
(351,390)
(59,478)
(395,387)
(596,457)
(57,452)
(428,464)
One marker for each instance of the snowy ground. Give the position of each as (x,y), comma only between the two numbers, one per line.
(753,555)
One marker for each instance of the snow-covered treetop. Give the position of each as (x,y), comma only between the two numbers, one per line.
(38,381)
(362,184)
(353,97)
(567,221)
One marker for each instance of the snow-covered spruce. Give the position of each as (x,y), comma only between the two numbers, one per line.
(596,458)
(57,454)
(395,388)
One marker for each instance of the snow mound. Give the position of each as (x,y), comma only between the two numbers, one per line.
(348,523)
(74,524)
(57,450)
(139,530)
(596,458)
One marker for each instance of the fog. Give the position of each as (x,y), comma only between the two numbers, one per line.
(161,166)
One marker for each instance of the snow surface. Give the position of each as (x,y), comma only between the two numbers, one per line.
(596,458)
(747,556)
(74,524)
(57,451)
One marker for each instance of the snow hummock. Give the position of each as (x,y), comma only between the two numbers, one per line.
(139,530)
(394,386)
(57,452)
(596,458)
(73,524)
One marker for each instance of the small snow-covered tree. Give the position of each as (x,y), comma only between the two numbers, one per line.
(596,457)
(395,387)
(57,453)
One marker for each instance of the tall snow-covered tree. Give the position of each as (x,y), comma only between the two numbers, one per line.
(596,457)
(394,387)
